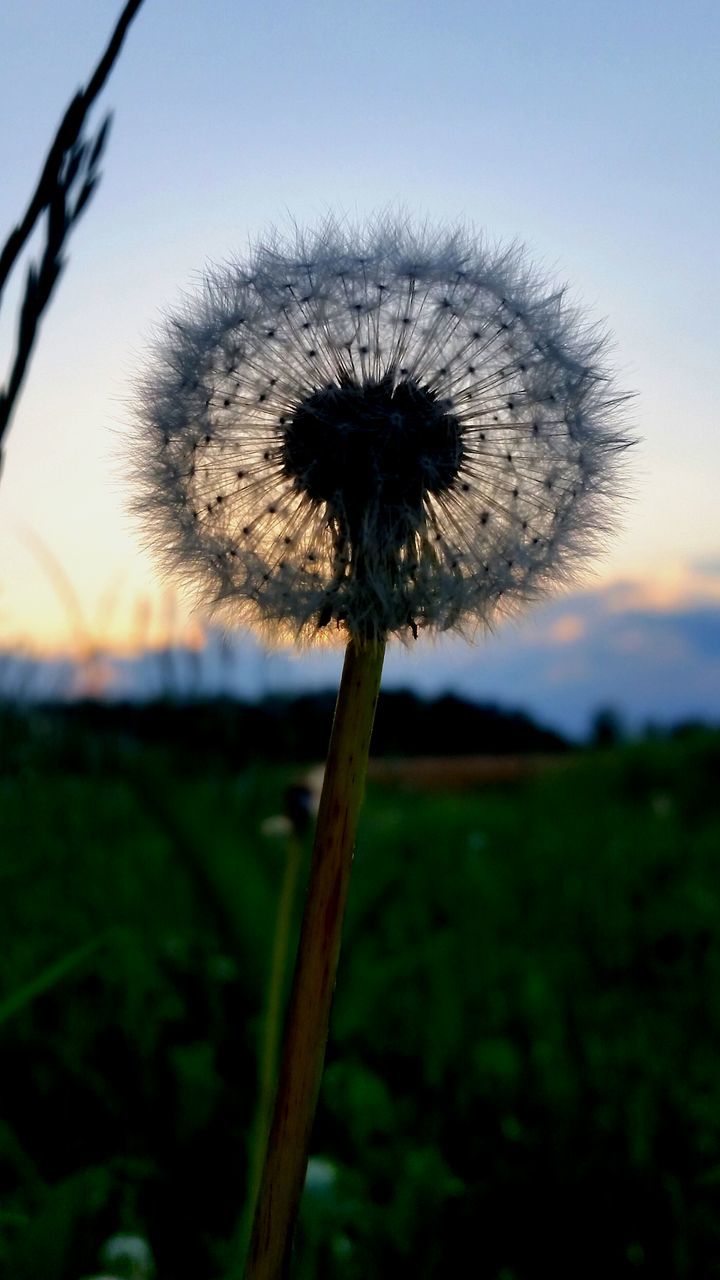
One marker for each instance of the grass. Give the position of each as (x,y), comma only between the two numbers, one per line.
(522,1076)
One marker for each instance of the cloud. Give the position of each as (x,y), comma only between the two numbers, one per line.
(566,630)
(707,567)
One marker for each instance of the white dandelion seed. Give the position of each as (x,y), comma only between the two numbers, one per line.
(386,429)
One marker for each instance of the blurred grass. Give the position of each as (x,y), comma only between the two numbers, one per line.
(523,1073)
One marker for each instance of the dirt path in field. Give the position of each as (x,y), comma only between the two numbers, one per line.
(441,773)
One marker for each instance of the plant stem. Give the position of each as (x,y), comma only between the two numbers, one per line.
(270,1036)
(308,1017)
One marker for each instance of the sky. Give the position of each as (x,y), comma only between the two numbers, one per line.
(608,648)
(586,130)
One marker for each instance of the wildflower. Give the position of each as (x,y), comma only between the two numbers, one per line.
(128,1255)
(386,429)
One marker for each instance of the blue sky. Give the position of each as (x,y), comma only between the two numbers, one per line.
(587,130)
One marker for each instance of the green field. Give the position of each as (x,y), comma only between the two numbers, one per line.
(523,1077)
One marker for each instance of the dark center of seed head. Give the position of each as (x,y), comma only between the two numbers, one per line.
(378,448)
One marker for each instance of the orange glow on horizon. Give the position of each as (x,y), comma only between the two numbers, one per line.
(153,623)
(679,586)
(116,642)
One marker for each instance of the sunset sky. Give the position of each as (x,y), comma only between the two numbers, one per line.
(588,131)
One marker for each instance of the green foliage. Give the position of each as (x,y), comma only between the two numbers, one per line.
(522,1075)
(47,978)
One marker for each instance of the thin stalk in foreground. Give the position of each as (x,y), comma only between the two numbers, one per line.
(308,1017)
(270,1037)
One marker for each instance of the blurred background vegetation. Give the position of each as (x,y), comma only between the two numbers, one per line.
(522,1077)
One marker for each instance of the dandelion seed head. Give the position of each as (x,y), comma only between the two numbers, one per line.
(375,431)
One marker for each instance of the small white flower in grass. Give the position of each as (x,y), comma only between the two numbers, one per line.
(386,429)
(129,1256)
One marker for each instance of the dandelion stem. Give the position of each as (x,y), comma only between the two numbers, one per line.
(308,1016)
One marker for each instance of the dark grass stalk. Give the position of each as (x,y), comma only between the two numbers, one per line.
(51,975)
(308,1017)
(271,1035)
(67,181)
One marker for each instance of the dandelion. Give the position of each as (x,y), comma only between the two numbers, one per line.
(361,434)
(376,432)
